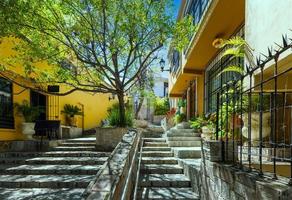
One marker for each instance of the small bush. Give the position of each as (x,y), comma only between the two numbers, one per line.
(114,115)
(179,118)
(161,106)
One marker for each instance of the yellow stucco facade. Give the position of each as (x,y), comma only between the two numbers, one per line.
(95,105)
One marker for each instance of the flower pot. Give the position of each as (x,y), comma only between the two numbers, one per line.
(255,125)
(28,129)
(71,121)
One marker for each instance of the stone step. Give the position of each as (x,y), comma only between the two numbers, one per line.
(157,154)
(55,160)
(164,180)
(50,169)
(182,134)
(78,148)
(55,154)
(75,144)
(41,193)
(156,149)
(184,143)
(154,139)
(159,160)
(187,152)
(161,169)
(78,140)
(162,193)
(176,130)
(155,144)
(176,138)
(45,181)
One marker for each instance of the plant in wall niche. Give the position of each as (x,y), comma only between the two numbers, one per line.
(30,114)
(181,104)
(70,111)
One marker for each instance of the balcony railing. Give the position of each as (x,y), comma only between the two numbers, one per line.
(175,61)
(254,116)
(196,9)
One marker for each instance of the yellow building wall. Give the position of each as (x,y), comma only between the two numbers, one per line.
(95,105)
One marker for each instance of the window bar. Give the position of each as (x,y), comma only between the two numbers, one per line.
(275,117)
(233,119)
(290,180)
(217,115)
(261,120)
(226,121)
(249,122)
(241,123)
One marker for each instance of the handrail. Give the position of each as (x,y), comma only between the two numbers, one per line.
(138,169)
(125,191)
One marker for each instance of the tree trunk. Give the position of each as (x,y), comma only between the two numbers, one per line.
(122,110)
(141,100)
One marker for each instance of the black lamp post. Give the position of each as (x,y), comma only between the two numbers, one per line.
(162,65)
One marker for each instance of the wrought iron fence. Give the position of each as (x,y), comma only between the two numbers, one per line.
(254,115)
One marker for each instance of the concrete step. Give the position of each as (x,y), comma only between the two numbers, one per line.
(184,143)
(77,148)
(182,134)
(159,160)
(41,194)
(55,160)
(162,193)
(55,154)
(45,181)
(157,154)
(185,130)
(176,138)
(154,139)
(50,169)
(75,144)
(155,144)
(187,152)
(161,169)
(156,149)
(164,180)
(78,140)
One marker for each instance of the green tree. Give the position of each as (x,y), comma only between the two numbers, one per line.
(94,45)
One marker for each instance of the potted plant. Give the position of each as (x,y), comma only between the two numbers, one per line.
(181,106)
(179,118)
(70,111)
(30,114)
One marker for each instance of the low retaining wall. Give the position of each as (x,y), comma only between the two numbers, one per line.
(108,138)
(116,178)
(23,145)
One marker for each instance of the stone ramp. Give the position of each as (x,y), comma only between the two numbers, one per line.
(160,175)
(64,172)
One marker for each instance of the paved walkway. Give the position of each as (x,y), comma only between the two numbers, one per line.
(161,177)
(61,173)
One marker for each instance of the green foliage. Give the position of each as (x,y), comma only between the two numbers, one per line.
(198,122)
(161,106)
(178,118)
(114,115)
(71,110)
(29,113)
(182,103)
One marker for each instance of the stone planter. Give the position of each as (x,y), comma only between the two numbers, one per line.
(28,129)
(212,151)
(108,138)
(255,125)
(157,119)
(140,123)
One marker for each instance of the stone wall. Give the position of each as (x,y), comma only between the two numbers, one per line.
(108,138)
(115,177)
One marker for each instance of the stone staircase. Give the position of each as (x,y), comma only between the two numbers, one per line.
(161,177)
(184,141)
(61,173)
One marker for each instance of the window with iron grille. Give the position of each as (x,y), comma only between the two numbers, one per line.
(6,104)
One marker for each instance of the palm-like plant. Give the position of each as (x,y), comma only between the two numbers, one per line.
(29,113)
(71,110)
(238,48)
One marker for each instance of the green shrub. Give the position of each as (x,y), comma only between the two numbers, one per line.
(161,106)
(114,115)
(179,118)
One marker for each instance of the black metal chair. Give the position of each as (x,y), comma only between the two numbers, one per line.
(48,128)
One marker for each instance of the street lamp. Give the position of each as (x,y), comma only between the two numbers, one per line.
(162,65)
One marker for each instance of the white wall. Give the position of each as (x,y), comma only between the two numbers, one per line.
(265,22)
(159,86)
